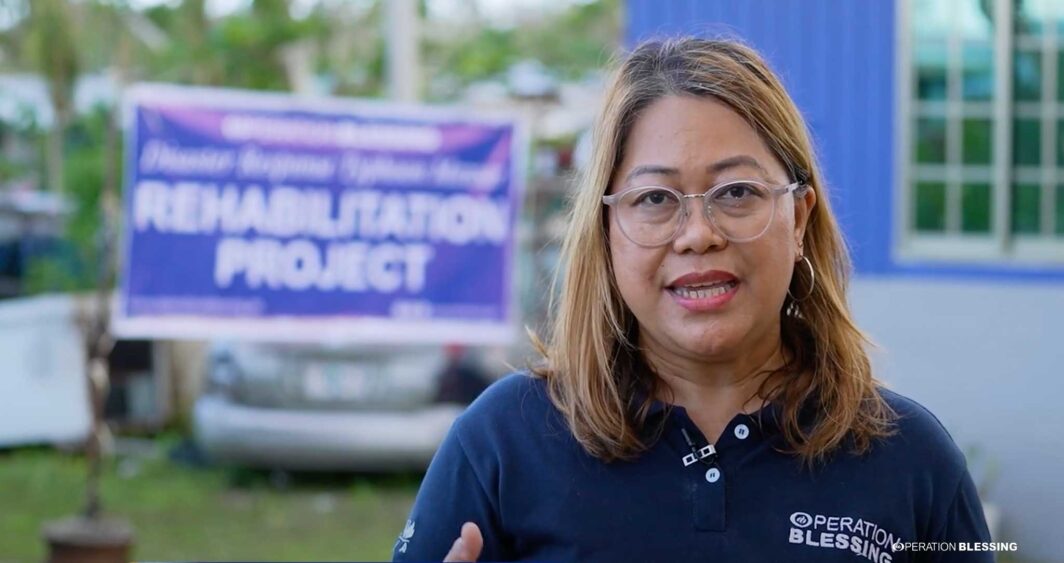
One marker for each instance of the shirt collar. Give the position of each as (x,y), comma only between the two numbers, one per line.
(767,417)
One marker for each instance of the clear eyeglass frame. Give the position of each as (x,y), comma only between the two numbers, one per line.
(707,210)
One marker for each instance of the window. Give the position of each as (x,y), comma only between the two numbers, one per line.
(981,135)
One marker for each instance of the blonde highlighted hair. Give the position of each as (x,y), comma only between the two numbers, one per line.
(596,375)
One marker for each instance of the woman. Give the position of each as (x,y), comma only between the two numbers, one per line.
(705,394)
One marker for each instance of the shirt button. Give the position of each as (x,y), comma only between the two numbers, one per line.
(712,474)
(742,431)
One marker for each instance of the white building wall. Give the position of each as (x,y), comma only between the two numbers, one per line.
(987,358)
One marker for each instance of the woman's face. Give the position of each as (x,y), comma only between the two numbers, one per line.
(690,144)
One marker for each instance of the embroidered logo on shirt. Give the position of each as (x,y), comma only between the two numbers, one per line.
(859,536)
(404,538)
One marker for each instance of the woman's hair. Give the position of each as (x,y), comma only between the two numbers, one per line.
(596,375)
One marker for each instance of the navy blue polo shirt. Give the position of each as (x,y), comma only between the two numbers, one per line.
(510,465)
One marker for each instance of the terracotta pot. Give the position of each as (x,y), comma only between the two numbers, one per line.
(88,540)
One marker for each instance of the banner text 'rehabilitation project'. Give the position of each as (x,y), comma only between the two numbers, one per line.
(251,215)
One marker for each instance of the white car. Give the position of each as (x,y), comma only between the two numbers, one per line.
(289,407)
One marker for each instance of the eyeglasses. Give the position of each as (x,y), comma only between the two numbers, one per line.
(741,210)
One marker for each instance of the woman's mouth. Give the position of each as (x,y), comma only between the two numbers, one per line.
(704,297)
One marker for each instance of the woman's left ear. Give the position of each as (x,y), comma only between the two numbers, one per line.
(803,209)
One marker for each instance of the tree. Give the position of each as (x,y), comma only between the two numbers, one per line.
(241,50)
(54,51)
(570,42)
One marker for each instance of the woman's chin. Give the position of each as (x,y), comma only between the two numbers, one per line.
(707,346)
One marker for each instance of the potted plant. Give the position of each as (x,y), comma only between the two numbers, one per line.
(91,536)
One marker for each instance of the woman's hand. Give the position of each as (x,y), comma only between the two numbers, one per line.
(468,545)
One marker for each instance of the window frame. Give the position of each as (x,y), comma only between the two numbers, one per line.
(1000,245)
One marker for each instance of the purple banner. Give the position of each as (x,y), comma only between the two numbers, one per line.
(268,216)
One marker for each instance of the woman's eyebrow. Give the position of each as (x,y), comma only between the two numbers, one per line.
(734,162)
(715,168)
(651,169)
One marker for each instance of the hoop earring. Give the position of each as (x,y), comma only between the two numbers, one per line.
(812,282)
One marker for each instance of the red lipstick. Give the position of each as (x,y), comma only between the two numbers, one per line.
(703,291)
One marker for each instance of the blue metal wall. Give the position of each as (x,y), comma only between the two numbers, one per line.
(836,58)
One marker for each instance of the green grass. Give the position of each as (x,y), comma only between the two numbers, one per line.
(182,513)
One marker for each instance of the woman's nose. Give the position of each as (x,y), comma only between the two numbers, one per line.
(698,234)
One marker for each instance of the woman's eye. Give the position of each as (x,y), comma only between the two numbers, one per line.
(739,191)
(655,197)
